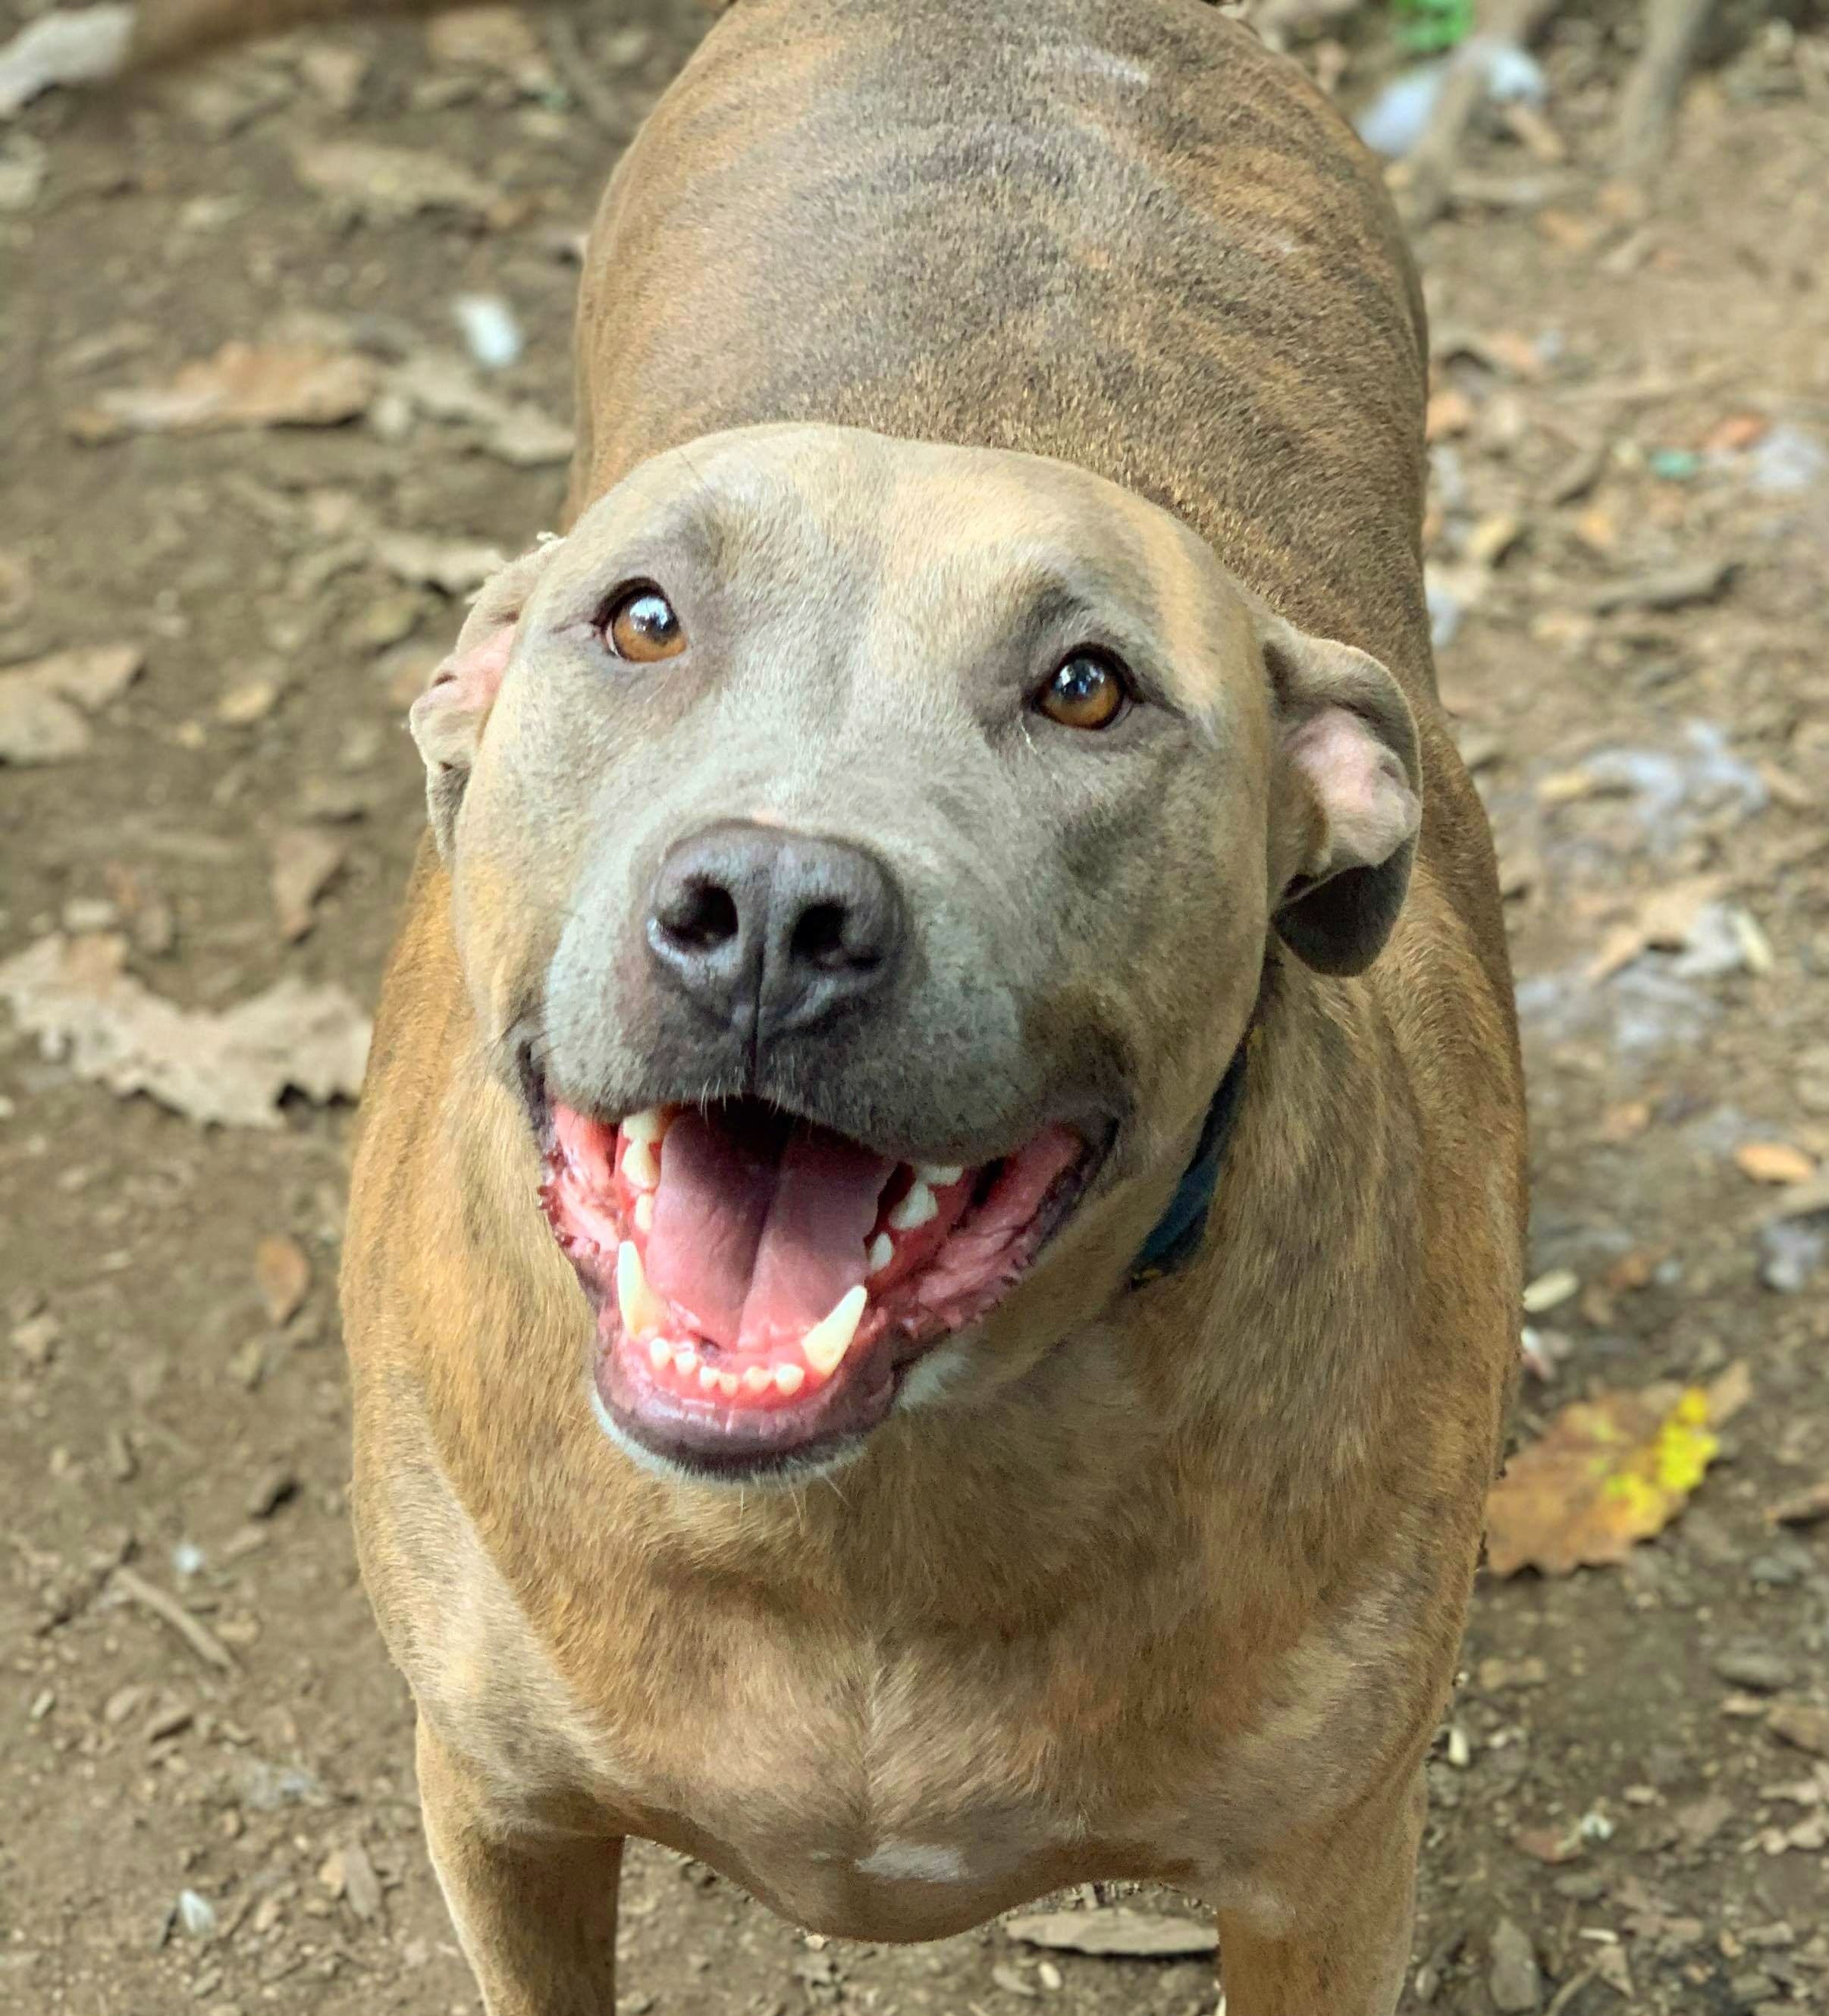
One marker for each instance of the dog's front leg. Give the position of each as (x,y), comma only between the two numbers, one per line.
(536,1917)
(1333,1938)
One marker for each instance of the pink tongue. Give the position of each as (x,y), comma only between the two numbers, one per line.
(755,1250)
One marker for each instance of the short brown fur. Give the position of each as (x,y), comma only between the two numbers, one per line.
(1183,1602)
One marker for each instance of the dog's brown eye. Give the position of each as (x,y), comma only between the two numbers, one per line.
(643,628)
(1088,691)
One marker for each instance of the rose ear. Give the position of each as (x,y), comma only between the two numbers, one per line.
(1346,806)
(447,719)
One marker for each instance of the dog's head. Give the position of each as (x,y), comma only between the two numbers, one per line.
(864,857)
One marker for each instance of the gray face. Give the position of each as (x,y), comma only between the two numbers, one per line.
(864,856)
(834,853)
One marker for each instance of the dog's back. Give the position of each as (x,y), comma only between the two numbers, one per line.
(1087,252)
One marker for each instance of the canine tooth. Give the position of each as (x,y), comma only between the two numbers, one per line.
(882,1252)
(759,1379)
(708,1379)
(939,1175)
(647,1126)
(919,1207)
(644,1214)
(644,1315)
(728,1383)
(789,1379)
(640,1167)
(824,1345)
(660,1354)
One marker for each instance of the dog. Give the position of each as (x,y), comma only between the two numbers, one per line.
(933,1263)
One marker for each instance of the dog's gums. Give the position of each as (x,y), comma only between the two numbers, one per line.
(761,1283)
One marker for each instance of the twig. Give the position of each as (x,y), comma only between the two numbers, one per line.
(1569,1990)
(566,46)
(1641,391)
(205,1644)
(1431,162)
(1648,104)
(1673,589)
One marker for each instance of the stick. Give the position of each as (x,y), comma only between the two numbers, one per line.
(205,1644)
(1648,105)
(1431,162)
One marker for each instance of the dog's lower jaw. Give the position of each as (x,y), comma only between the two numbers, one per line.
(750,1223)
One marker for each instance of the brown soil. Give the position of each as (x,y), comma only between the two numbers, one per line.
(154,1411)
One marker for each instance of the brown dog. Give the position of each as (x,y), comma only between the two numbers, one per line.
(896,861)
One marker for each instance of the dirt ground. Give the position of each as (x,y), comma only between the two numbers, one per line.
(1628,545)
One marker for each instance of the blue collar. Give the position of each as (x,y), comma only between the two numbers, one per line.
(1184,1225)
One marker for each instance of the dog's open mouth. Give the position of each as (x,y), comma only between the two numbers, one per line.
(762,1283)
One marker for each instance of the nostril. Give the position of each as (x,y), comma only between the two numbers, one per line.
(701,918)
(819,940)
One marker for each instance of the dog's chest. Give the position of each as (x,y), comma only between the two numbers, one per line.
(852,1785)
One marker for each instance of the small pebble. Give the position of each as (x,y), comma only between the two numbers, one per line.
(1515,1983)
(1754,1667)
(1580,1887)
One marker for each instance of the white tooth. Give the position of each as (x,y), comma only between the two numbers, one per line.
(728,1383)
(824,1345)
(644,1315)
(939,1175)
(639,1166)
(882,1252)
(708,1378)
(759,1379)
(647,1127)
(918,1208)
(660,1354)
(644,1214)
(789,1379)
(684,1359)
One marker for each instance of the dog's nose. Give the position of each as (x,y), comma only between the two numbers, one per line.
(774,931)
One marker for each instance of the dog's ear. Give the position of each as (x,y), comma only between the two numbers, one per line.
(448,718)
(1346,803)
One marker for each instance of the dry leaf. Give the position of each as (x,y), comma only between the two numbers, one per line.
(283,1271)
(1115,1932)
(1773,1162)
(1552,1846)
(230,1070)
(1516,353)
(1608,1473)
(306,860)
(492,38)
(1450,411)
(390,183)
(42,704)
(1664,920)
(1735,431)
(1621,1123)
(456,566)
(514,431)
(243,385)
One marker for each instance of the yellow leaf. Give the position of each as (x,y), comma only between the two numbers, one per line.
(1608,1473)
